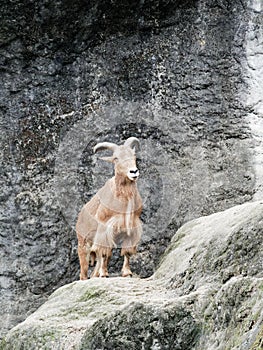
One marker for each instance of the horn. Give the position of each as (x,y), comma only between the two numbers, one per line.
(132,142)
(105,145)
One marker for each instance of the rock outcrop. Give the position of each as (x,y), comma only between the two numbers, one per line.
(206,294)
(184,76)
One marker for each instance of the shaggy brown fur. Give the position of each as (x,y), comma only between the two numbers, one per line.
(112,216)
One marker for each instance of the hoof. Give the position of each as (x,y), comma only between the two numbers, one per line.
(126,274)
(94,275)
(104,274)
(83,278)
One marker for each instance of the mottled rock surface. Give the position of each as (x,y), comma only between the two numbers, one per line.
(183,76)
(206,294)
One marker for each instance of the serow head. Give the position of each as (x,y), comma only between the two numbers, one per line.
(123,157)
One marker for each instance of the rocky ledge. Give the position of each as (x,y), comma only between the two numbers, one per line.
(206,294)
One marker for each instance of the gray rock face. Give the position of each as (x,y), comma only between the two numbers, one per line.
(206,294)
(179,75)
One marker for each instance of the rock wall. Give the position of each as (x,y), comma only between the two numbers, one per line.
(179,75)
(206,294)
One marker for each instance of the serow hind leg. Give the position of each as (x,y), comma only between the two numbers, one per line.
(95,272)
(101,268)
(126,251)
(126,271)
(103,272)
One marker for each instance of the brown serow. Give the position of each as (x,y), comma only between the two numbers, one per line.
(112,216)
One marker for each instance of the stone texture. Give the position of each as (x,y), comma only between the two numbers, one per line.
(180,75)
(206,294)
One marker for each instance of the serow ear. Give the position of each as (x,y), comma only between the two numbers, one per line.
(107,159)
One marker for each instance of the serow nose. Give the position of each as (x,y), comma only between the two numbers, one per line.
(134,173)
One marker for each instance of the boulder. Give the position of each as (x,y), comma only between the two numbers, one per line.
(206,294)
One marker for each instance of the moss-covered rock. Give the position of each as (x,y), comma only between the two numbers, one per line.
(206,294)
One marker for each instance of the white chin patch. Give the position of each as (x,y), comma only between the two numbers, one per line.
(132,178)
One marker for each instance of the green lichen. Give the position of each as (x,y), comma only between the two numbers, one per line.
(258,344)
(75,313)
(91,294)
(33,339)
(3,344)
(46,338)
